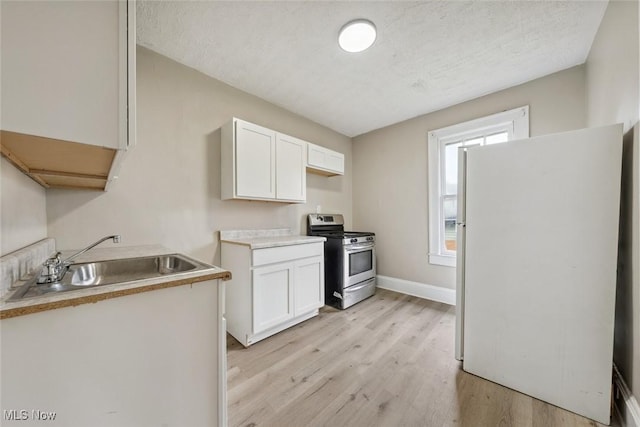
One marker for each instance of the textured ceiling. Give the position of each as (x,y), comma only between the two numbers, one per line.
(428,55)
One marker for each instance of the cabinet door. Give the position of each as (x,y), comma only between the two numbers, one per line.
(324,161)
(335,162)
(255,161)
(309,285)
(291,178)
(316,156)
(272,296)
(64,70)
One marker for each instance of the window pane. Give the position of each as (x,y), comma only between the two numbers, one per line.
(474,141)
(450,208)
(451,168)
(497,138)
(443,168)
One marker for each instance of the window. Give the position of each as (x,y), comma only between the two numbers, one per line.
(443,172)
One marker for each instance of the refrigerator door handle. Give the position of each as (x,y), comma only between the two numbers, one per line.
(460,247)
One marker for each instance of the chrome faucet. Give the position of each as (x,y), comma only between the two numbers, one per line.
(54,269)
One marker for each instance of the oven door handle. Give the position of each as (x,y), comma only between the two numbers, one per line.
(358,287)
(358,247)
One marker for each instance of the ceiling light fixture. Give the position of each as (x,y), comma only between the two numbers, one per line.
(357,35)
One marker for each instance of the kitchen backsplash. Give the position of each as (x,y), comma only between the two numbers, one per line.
(18,264)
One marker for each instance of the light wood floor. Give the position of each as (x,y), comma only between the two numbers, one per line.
(387,361)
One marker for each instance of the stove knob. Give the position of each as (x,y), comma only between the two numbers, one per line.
(354,240)
(369,239)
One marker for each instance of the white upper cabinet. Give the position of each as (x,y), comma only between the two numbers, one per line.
(68,90)
(261,164)
(67,70)
(291,177)
(323,161)
(255,149)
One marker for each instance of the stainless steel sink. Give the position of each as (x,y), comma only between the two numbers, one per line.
(86,275)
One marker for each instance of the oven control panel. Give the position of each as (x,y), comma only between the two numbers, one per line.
(323,219)
(368,239)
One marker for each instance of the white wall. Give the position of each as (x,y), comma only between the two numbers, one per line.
(168,191)
(390,169)
(613,96)
(23,216)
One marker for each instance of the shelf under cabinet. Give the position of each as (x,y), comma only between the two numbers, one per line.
(55,163)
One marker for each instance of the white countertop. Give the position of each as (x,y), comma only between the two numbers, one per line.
(274,241)
(102,254)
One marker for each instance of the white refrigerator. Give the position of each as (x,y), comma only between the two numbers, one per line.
(536,265)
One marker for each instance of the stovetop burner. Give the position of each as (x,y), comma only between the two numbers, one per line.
(332,227)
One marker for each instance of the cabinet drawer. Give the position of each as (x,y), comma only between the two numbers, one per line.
(286,253)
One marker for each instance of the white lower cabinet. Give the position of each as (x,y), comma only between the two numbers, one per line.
(148,359)
(272,296)
(309,285)
(272,288)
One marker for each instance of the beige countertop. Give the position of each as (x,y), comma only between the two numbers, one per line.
(99,293)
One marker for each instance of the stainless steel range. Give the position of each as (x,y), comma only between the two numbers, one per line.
(349,260)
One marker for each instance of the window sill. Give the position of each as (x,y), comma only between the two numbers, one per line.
(445,260)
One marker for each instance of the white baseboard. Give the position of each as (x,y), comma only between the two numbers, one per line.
(417,289)
(626,407)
